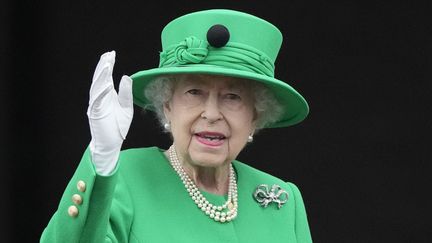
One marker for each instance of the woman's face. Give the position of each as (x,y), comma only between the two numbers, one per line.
(211,118)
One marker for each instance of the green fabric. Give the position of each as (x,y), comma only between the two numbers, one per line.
(232,55)
(144,200)
(250,53)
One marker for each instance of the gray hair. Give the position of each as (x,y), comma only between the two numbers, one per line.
(159,92)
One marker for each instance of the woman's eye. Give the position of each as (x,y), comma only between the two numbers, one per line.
(194,92)
(233,96)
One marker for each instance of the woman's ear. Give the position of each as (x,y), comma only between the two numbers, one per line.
(254,120)
(255,116)
(167,110)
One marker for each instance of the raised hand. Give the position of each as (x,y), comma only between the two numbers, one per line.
(109,114)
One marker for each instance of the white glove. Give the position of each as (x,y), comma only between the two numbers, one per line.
(109,114)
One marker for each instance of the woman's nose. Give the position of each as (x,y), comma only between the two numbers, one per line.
(211,110)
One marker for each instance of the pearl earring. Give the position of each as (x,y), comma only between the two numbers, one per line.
(167,126)
(250,138)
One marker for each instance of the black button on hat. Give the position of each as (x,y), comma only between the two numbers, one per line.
(218,35)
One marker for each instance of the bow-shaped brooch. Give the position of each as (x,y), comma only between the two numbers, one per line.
(276,194)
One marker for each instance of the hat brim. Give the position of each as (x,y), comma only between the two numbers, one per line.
(295,107)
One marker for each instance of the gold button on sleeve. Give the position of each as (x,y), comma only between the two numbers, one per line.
(77,199)
(81,186)
(73,211)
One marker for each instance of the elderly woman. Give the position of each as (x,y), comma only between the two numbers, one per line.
(214,88)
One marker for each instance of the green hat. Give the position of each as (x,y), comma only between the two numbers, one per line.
(224,42)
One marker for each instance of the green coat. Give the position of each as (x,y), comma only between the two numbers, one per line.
(144,200)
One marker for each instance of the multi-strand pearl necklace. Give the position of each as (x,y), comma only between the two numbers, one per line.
(223,213)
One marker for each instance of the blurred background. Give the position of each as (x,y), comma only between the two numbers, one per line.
(361,158)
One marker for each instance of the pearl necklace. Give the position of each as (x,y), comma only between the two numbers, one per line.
(223,213)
